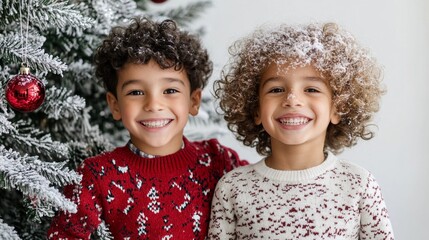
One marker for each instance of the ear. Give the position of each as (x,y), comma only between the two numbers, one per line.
(195,102)
(335,118)
(113,105)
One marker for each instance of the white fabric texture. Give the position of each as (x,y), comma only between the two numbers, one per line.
(334,200)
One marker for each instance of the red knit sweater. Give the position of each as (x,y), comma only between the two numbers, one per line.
(166,197)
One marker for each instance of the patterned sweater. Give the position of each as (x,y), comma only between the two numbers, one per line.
(165,197)
(335,200)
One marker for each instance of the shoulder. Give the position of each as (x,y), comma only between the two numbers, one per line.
(235,180)
(214,148)
(241,171)
(101,159)
(210,145)
(238,175)
(355,174)
(222,158)
(347,167)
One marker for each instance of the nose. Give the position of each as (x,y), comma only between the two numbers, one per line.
(292,99)
(152,103)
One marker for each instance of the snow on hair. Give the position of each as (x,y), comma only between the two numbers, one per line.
(354,77)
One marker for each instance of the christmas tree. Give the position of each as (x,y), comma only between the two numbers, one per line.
(40,146)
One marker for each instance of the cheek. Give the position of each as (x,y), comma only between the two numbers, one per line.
(182,108)
(257,117)
(130,108)
(260,112)
(264,113)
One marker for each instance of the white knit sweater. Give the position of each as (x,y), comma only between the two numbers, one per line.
(335,200)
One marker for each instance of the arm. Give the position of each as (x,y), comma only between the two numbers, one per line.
(81,224)
(222,219)
(375,223)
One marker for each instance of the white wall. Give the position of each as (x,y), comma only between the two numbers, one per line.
(397,32)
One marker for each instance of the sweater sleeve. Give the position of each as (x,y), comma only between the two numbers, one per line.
(222,219)
(81,224)
(375,223)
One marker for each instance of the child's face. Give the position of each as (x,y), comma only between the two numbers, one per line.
(154,105)
(295,106)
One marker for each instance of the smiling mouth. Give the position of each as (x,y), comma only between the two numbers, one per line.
(156,124)
(294,121)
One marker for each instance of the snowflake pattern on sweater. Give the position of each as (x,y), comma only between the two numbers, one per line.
(164,197)
(335,200)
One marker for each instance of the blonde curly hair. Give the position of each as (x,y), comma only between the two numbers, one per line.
(354,77)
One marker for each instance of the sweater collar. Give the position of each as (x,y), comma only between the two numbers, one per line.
(139,152)
(172,163)
(298,175)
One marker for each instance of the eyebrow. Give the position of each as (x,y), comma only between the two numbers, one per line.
(128,82)
(135,81)
(270,79)
(324,81)
(318,79)
(278,78)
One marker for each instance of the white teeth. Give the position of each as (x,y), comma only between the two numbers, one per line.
(294,121)
(155,124)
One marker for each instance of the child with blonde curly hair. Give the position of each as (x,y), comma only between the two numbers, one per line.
(299,94)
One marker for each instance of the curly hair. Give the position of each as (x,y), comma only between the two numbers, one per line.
(143,40)
(354,77)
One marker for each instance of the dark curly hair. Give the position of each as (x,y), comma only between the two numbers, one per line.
(354,77)
(143,40)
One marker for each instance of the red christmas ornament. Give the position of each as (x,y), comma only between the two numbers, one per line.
(24,92)
(158,1)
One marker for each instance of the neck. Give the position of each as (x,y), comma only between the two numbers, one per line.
(295,157)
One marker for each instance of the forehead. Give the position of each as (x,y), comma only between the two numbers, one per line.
(150,71)
(286,69)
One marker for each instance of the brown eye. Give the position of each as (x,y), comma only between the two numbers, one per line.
(135,92)
(312,90)
(276,90)
(170,91)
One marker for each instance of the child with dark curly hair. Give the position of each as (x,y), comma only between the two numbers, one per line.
(160,185)
(299,94)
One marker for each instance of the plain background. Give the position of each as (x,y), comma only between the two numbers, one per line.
(397,33)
